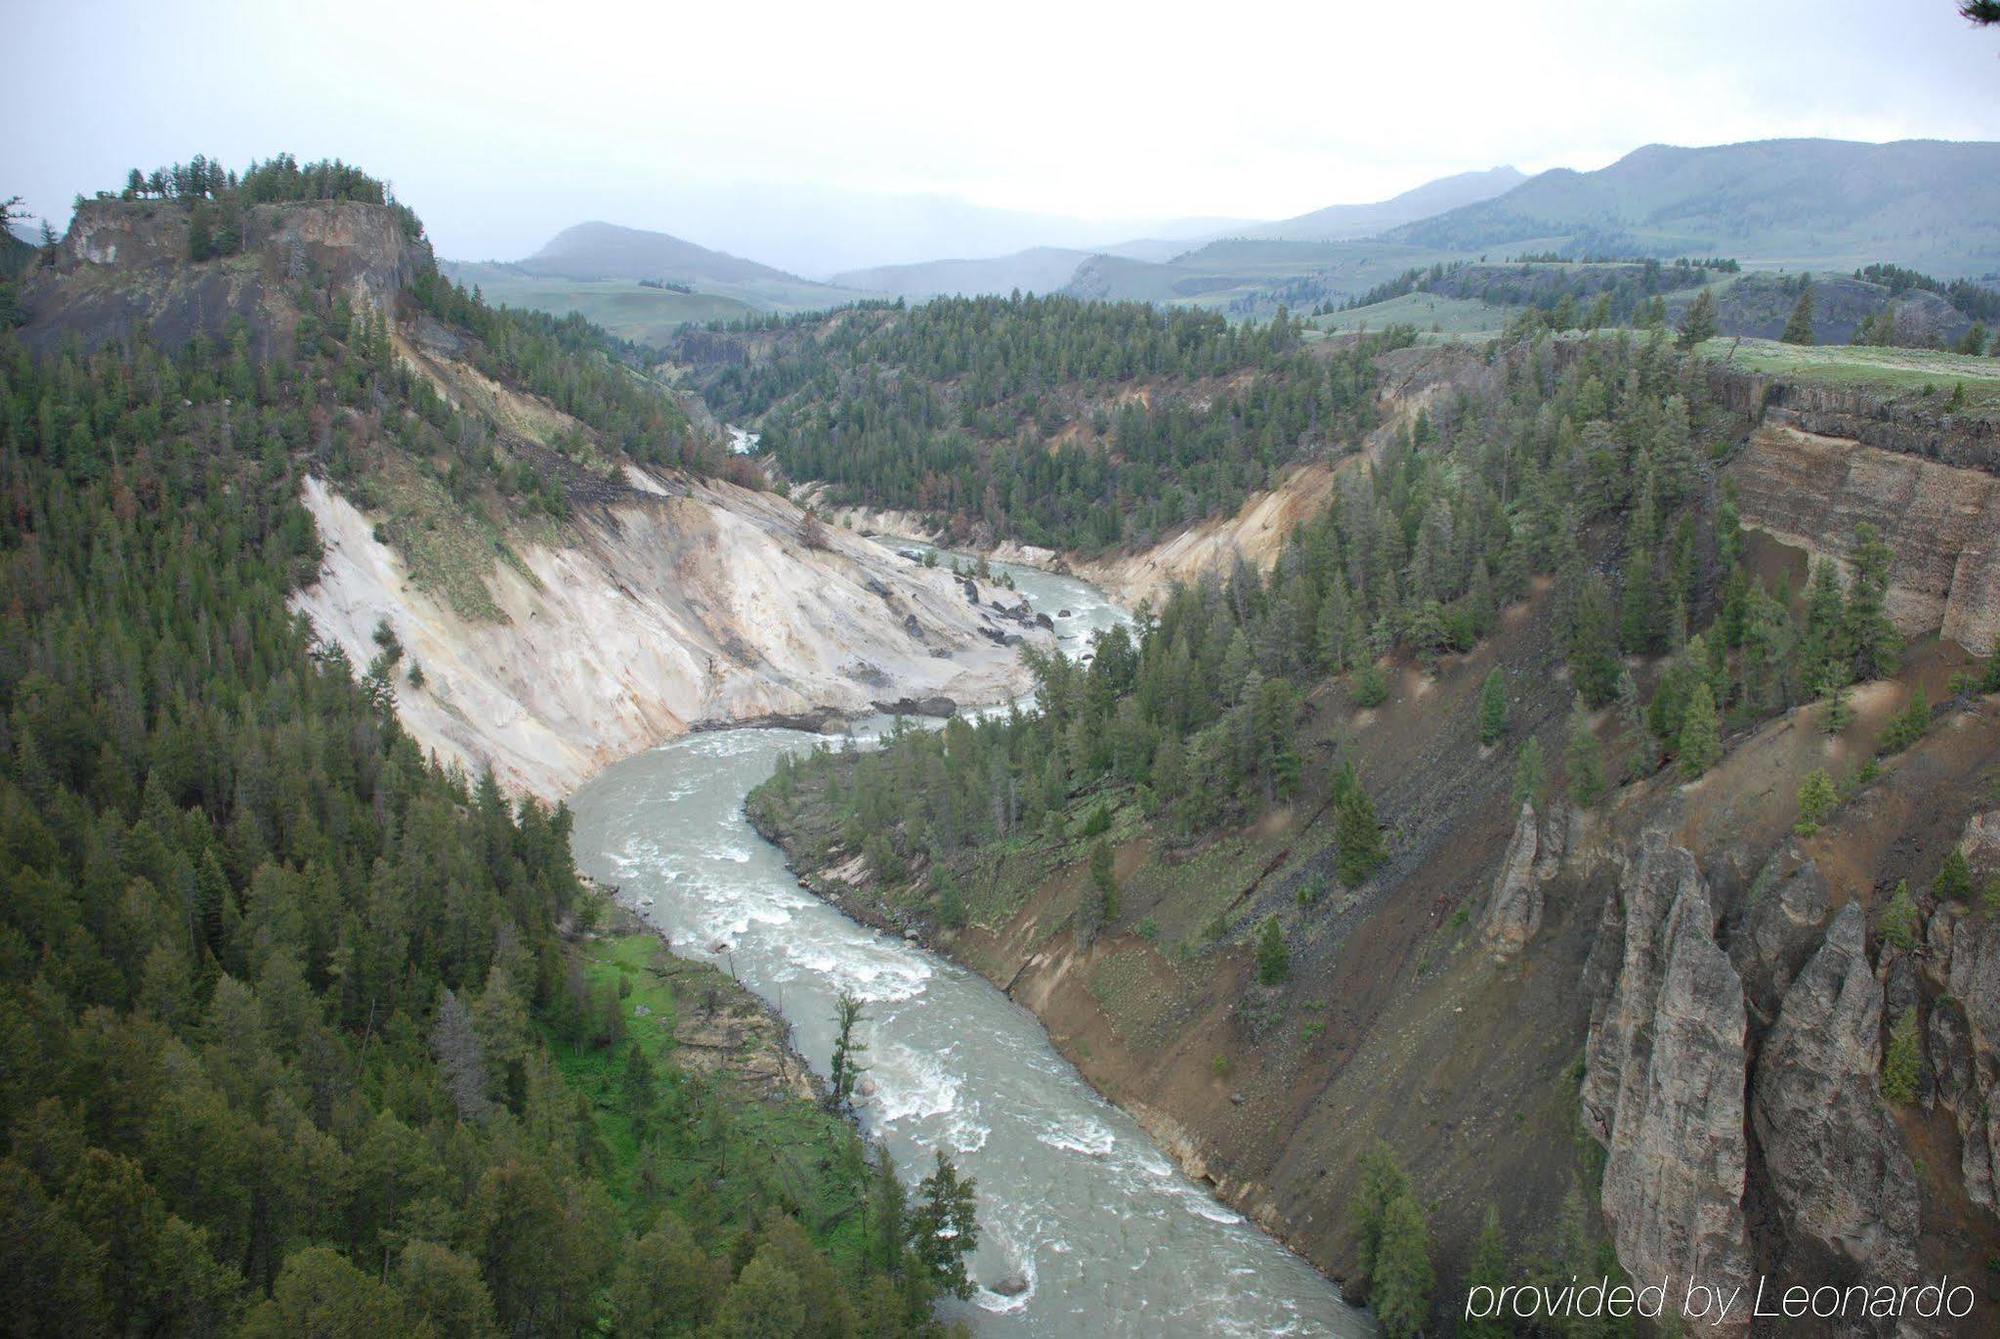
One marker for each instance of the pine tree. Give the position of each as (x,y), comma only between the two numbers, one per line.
(1900,918)
(1382,1183)
(1583,760)
(1493,708)
(1954,878)
(846,1069)
(1357,831)
(1274,960)
(1104,879)
(1399,1291)
(1699,323)
(1701,732)
(944,1228)
(1799,329)
(1870,638)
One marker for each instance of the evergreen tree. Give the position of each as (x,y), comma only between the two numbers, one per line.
(1799,329)
(846,1069)
(1869,637)
(1902,1060)
(1382,1183)
(1583,759)
(1530,773)
(1817,799)
(944,1228)
(1900,919)
(1954,878)
(1274,960)
(1700,733)
(1400,1288)
(1356,831)
(1699,323)
(1104,879)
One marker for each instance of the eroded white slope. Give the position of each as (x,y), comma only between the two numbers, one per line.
(665,613)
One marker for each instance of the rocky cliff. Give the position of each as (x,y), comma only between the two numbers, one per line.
(1663,1087)
(123,271)
(1813,491)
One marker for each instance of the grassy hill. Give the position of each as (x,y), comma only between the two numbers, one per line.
(625,307)
(1928,203)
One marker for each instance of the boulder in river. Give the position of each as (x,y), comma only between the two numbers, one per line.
(938,705)
(1010,1285)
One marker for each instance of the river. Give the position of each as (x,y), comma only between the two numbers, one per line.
(1075,1200)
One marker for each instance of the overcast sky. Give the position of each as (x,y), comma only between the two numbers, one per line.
(502,123)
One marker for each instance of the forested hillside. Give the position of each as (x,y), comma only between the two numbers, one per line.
(1199,718)
(294,1030)
(1049,420)
(1242,858)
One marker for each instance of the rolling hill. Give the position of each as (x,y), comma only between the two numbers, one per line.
(1039,269)
(1928,203)
(642,285)
(609,251)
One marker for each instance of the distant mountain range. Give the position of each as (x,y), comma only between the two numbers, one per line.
(1930,204)
(1772,204)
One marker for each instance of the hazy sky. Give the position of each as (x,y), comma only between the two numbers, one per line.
(501,122)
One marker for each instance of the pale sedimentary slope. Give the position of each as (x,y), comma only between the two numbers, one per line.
(666,612)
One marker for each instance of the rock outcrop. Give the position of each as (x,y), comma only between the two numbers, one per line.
(1780,928)
(1664,1084)
(1838,1171)
(123,270)
(1515,906)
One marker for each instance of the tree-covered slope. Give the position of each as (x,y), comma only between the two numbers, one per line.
(1049,420)
(294,1033)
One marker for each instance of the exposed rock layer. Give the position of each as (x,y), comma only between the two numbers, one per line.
(1942,522)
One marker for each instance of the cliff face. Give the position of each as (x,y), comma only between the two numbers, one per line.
(1812,492)
(124,271)
(1822,460)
